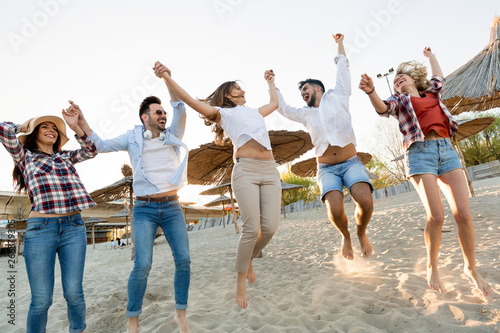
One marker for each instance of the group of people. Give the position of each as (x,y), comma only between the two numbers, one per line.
(159,159)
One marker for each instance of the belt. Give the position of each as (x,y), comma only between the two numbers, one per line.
(164,199)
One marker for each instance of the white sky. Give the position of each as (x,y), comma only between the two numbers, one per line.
(100,54)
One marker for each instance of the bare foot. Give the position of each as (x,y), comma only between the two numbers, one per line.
(241,291)
(478,280)
(366,246)
(251,274)
(434,280)
(133,324)
(181,321)
(347,252)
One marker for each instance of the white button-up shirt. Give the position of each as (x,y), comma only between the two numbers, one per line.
(330,123)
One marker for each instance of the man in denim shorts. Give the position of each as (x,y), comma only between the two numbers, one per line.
(328,121)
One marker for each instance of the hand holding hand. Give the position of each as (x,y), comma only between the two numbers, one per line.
(269,76)
(366,84)
(72,114)
(161,70)
(339,38)
(428,52)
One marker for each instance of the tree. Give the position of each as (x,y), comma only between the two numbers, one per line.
(308,193)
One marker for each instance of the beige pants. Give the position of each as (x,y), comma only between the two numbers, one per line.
(256,185)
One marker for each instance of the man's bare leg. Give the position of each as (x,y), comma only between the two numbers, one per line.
(181,320)
(133,324)
(241,291)
(334,201)
(362,196)
(250,273)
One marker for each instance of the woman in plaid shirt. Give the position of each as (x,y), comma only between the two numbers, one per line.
(47,175)
(431,163)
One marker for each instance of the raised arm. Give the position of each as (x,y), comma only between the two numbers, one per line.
(160,68)
(205,109)
(267,109)
(366,84)
(343,81)
(435,68)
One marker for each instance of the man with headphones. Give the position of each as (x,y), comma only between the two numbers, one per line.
(159,160)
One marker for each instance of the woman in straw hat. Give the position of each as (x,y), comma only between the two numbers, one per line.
(47,175)
(431,163)
(255,179)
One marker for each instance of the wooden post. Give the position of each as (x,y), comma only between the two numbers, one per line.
(223,217)
(17,247)
(233,211)
(283,205)
(93,238)
(126,228)
(464,167)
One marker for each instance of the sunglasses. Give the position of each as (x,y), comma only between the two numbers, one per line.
(159,112)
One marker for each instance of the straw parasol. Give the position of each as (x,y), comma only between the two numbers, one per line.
(287,187)
(308,167)
(220,190)
(94,220)
(212,164)
(222,200)
(476,85)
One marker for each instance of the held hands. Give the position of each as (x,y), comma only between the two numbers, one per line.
(428,52)
(269,76)
(366,84)
(161,71)
(72,115)
(339,38)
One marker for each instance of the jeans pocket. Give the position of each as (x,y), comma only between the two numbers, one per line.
(35,225)
(78,222)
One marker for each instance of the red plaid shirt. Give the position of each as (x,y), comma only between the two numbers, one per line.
(52,183)
(399,106)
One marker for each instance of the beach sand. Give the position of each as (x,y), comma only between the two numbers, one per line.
(303,284)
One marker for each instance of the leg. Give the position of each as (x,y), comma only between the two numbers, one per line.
(40,254)
(245,186)
(72,249)
(145,224)
(454,187)
(427,189)
(362,196)
(334,201)
(174,227)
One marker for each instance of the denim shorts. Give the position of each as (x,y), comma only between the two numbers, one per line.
(436,157)
(333,177)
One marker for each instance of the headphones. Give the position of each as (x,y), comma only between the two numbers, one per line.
(148,135)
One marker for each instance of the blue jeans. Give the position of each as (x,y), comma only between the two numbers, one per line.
(46,236)
(147,217)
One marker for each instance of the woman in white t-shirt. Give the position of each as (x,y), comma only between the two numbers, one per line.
(255,179)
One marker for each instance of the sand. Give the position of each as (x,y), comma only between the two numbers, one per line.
(303,284)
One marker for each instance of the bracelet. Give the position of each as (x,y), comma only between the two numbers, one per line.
(368,93)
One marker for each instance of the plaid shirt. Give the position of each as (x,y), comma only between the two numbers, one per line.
(399,106)
(52,183)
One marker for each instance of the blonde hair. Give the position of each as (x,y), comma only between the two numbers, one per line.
(416,71)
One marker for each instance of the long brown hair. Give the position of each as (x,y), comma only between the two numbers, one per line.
(31,145)
(218,98)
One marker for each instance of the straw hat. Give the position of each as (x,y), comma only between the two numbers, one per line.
(60,124)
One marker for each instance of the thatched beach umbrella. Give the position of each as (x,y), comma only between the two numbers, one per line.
(222,200)
(476,85)
(287,187)
(308,168)
(220,190)
(119,190)
(94,220)
(212,164)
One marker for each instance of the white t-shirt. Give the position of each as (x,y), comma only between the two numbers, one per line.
(159,162)
(242,124)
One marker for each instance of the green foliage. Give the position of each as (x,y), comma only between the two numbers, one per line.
(484,146)
(308,193)
(386,175)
